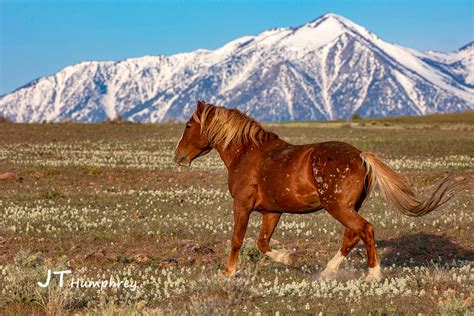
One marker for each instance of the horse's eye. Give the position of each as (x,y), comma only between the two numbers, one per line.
(188,125)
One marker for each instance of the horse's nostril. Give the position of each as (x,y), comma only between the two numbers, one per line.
(179,157)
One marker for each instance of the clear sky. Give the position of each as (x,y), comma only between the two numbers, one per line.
(40,37)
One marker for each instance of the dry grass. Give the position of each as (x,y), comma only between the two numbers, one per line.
(106,200)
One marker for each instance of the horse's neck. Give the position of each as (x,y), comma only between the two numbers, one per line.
(234,152)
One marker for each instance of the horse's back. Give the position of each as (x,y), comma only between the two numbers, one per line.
(295,178)
(336,150)
(335,157)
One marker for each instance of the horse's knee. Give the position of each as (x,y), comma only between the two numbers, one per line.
(236,243)
(236,246)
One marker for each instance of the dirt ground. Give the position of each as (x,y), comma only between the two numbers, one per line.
(106,200)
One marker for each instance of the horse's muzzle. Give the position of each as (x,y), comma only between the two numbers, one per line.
(181,160)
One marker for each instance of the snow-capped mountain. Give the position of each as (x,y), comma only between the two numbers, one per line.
(326,69)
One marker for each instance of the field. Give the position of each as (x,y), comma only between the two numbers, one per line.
(106,200)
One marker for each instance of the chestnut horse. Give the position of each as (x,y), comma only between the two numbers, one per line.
(268,175)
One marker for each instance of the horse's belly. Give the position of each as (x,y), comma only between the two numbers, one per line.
(287,182)
(301,204)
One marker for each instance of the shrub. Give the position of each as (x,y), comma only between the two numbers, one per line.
(21,284)
(4,120)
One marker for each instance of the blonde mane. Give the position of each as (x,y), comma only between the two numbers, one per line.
(229,126)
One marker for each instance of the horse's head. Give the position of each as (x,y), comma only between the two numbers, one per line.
(193,142)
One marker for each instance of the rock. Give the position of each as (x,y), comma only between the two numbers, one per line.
(194,246)
(141,258)
(168,263)
(7,176)
(101,255)
(459,178)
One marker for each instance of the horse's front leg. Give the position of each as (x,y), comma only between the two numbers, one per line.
(241,220)
(269,223)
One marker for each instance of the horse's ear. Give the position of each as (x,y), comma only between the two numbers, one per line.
(200,106)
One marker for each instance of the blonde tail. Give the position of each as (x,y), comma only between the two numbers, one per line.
(399,194)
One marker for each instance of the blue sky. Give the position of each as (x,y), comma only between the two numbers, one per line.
(40,37)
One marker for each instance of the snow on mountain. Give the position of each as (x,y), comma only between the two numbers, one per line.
(329,68)
(459,64)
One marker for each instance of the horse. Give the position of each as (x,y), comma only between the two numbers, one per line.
(271,176)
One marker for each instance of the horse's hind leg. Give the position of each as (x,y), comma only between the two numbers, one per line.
(349,241)
(269,222)
(355,223)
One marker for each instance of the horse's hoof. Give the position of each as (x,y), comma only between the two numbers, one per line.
(281,256)
(374,275)
(286,258)
(228,273)
(328,274)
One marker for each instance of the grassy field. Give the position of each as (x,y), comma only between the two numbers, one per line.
(106,200)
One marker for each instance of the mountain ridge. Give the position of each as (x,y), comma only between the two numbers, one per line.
(326,69)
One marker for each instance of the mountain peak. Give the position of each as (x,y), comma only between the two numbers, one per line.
(315,34)
(469,45)
(329,15)
(332,21)
(334,18)
(328,18)
(328,68)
